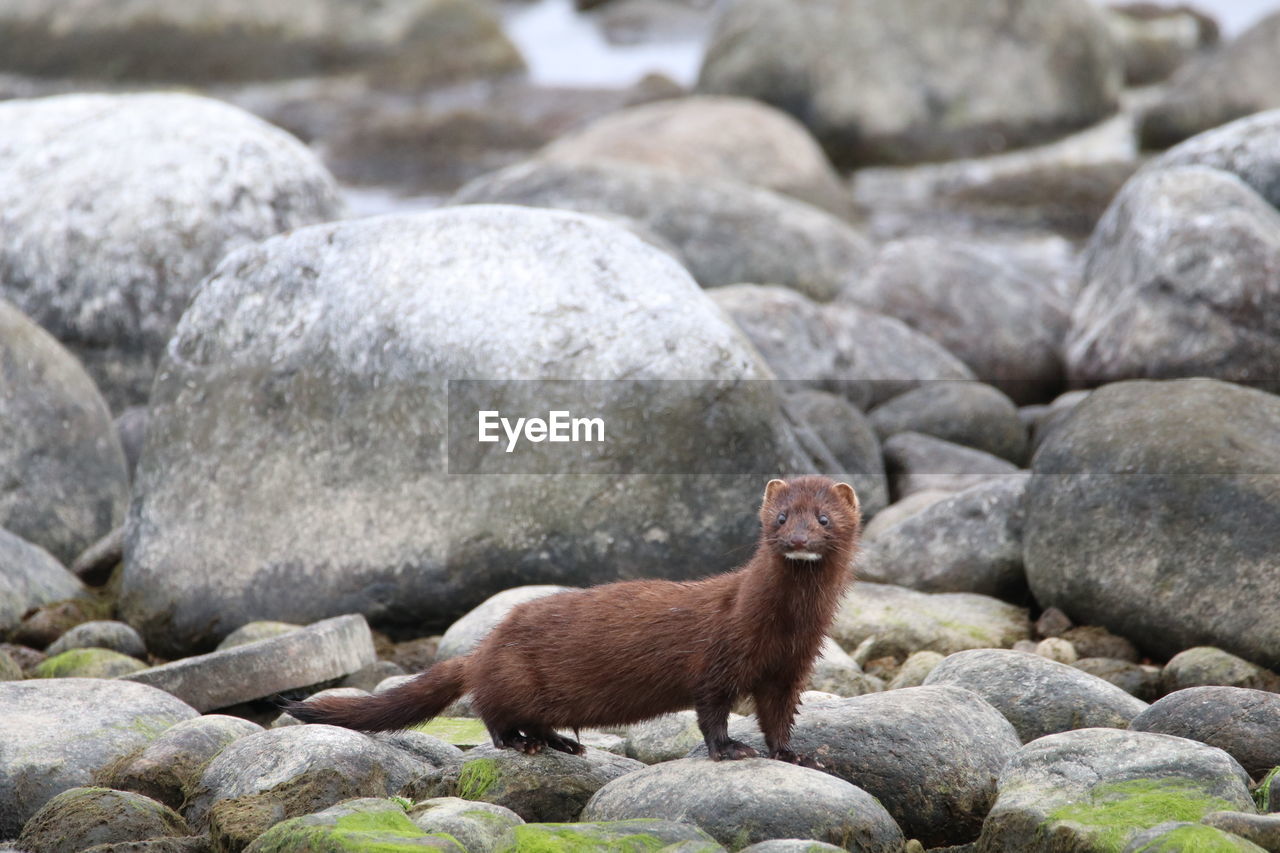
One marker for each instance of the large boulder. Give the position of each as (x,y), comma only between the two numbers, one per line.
(914,80)
(410,41)
(1248,148)
(29,578)
(298,462)
(724,231)
(1175,275)
(1243,722)
(80,818)
(1153,511)
(114,207)
(65,485)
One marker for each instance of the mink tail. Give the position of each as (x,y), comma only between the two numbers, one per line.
(410,703)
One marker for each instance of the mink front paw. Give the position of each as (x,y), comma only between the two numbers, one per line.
(795,758)
(732,750)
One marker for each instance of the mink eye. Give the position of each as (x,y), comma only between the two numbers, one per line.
(823,520)
(782,517)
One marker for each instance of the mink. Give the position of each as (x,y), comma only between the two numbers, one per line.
(624,652)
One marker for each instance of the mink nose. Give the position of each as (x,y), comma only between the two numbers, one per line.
(798,541)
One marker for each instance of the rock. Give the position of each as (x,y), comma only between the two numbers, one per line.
(478,827)
(726,232)
(97,562)
(1000,315)
(639,834)
(252,632)
(1244,723)
(1246,148)
(916,462)
(836,673)
(80,818)
(259,780)
(11,671)
(930,755)
(847,434)
(58,733)
(901,621)
(1096,789)
(131,428)
(1205,666)
(416,655)
(433,750)
(213,544)
(1057,649)
(116,636)
(29,577)
(1155,258)
(111,281)
(1134,679)
(916,85)
(792,845)
(1155,39)
(664,738)
(970,541)
(472,627)
(167,767)
(1039,696)
(1052,623)
(1186,458)
(88,663)
(409,43)
(370,675)
(1234,81)
(328,649)
(1092,641)
(65,482)
(966,413)
(1054,415)
(1178,836)
(550,786)
(48,622)
(26,658)
(358,824)
(736,139)
(915,669)
(900,511)
(1262,830)
(462,732)
(742,802)
(863,356)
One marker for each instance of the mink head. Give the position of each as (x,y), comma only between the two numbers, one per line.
(808,518)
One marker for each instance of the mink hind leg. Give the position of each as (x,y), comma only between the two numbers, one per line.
(713,720)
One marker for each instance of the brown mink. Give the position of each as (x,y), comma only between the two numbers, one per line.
(624,652)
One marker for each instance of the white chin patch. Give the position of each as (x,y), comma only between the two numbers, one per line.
(802,555)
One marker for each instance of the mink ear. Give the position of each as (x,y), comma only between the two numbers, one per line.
(773,488)
(846,494)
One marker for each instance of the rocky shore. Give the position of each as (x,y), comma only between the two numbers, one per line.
(1011,270)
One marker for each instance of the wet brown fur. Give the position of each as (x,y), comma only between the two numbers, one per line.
(626,652)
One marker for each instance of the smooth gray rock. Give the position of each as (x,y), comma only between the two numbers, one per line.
(1134,679)
(1156,40)
(1246,148)
(912,81)
(411,42)
(116,636)
(170,765)
(903,621)
(900,511)
(59,733)
(131,427)
(65,483)
(115,207)
(1098,788)
(551,786)
(252,632)
(639,834)
(930,755)
(836,673)
(479,827)
(967,413)
(1205,666)
(344,391)
(96,563)
(1037,695)
(916,462)
(472,627)
(30,577)
(791,845)
(364,823)
(845,431)
(664,738)
(742,802)
(1002,317)
(1174,274)
(1152,512)
(1244,723)
(725,231)
(915,669)
(1262,830)
(328,649)
(968,542)
(701,136)
(80,818)
(433,750)
(863,356)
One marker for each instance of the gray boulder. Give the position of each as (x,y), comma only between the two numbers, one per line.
(725,231)
(30,577)
(466,633)
(409,42)
(916,462)
(664,738)
(59,733)
(1244,723)
(970,541)
(863,356)
(1205,666)
(353,360)
(161,187)
(1156,40)
(1002,317)
(1135,679)
(1152,512)
(967,413)
(88,663)
(478,827)
(101,634)
(1246,148)
(1174,275)
(913,81)
(755,799)
(80,818)
(1039,696)
(1096,789)
(849,437)
(65,483)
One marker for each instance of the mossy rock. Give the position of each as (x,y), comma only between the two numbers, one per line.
(88,663)
(477,826)
(1190,838)
(376,825)
(620,836)
(79,818)
(462,732)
